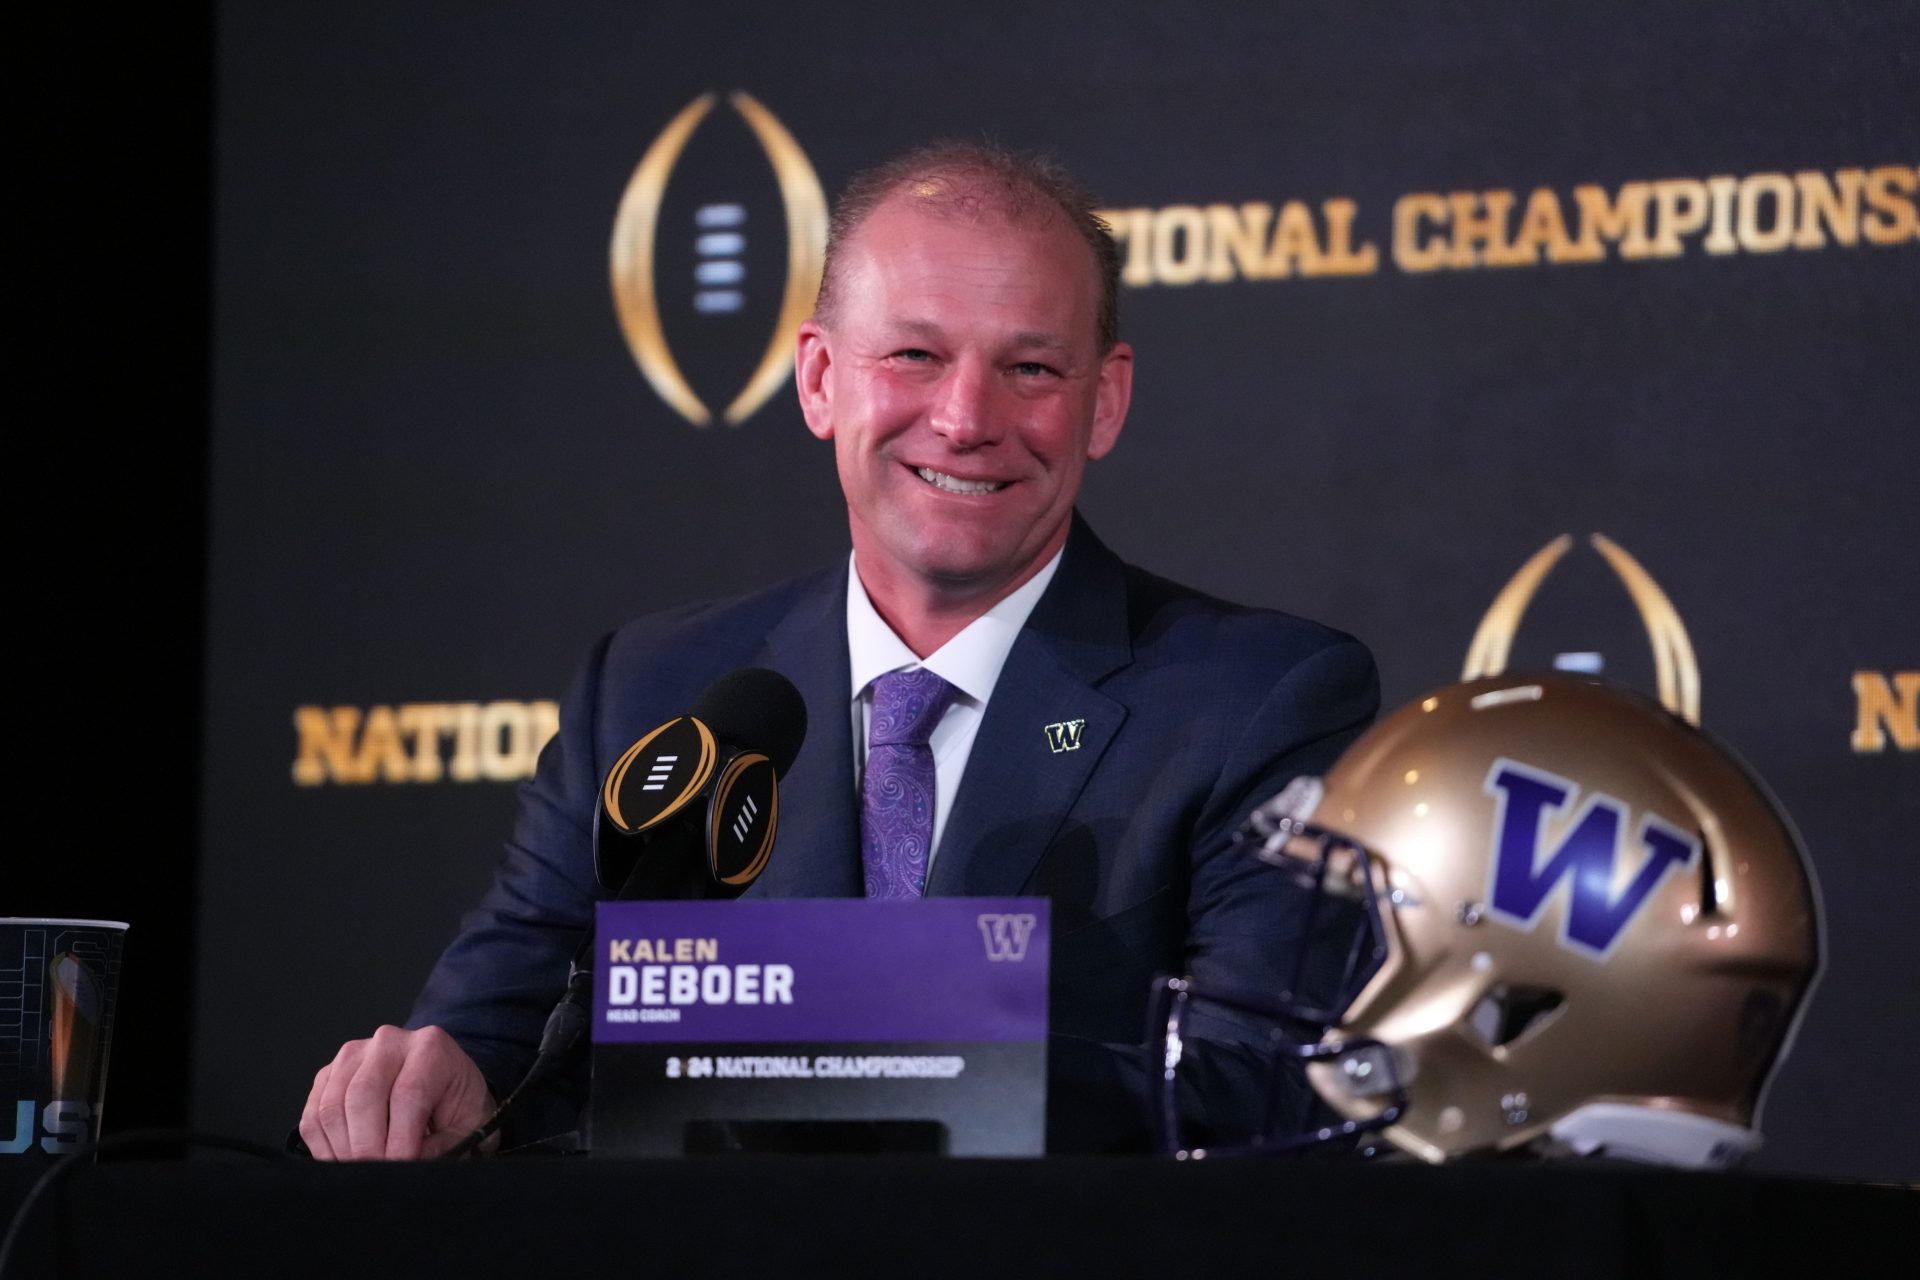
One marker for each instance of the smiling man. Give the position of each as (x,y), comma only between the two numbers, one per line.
(1023,712)
(959,368)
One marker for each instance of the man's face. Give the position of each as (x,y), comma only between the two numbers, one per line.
(964,392)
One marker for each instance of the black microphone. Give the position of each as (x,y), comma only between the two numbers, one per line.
(691,809)
(655,839)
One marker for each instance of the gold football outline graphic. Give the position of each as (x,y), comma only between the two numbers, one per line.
(1675,667)
(632,253)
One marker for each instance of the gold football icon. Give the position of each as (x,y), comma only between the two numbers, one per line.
(635,237)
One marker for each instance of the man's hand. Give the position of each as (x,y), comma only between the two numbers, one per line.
(399,1095)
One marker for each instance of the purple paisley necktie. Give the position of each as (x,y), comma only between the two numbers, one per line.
(896,803)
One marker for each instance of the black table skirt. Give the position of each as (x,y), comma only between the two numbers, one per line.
(540,1216)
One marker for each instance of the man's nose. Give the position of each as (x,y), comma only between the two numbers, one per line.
(967,410)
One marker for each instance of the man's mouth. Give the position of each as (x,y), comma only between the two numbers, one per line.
(954,484)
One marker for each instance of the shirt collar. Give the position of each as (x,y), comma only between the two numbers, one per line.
(970,662)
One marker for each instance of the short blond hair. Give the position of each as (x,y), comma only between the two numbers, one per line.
(963,175)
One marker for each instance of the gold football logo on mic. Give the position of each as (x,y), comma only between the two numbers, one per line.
(1675,668)
(634,232)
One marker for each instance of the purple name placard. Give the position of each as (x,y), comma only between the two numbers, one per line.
(821,969)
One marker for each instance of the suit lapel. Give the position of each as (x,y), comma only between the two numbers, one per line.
(1018,787)
(817,851)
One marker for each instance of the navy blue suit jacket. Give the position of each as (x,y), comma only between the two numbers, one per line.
(1196,710)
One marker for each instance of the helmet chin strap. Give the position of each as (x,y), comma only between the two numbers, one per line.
(1654,1135)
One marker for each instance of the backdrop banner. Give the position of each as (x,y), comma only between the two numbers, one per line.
(1581,337)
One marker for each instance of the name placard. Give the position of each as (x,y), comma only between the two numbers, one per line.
(821,1024)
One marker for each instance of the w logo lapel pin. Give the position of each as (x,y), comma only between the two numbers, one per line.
(1065,736)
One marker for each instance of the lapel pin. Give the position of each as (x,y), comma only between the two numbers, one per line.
(1065,736)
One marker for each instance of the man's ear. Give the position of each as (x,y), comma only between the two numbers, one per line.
(813,378)
(1111,399)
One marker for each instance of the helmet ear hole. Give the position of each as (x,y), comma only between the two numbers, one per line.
(1509,1011)
(1709,878)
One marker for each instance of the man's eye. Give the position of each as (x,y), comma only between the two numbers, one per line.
(1032,369)
(914,355)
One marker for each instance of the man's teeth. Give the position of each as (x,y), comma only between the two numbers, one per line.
(953,484)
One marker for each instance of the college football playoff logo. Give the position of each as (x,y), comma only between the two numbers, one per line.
(1675,668)
(721,235)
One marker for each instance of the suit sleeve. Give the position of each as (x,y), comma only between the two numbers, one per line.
(1244,923)
(1244,918)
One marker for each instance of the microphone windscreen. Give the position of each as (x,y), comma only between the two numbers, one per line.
(756,708)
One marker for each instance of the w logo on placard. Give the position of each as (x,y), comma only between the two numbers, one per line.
(1006,935)
(1589,856)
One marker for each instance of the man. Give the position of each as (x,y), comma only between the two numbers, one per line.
(964,361)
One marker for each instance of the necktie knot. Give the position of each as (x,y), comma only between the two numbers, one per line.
(907,706)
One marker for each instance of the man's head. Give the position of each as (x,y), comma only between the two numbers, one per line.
(966,173)
(962,362)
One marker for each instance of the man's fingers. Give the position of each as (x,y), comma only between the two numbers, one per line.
(368,1095)
(460,1102)
(428,1077)
(398,1095)
(328,1102)
(407,1112)
(311,1131)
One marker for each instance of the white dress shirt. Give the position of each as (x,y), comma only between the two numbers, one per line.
(970,662)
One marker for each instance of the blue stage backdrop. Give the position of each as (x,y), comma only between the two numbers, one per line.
(1421,293)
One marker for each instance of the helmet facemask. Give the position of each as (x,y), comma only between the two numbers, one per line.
(1344,903)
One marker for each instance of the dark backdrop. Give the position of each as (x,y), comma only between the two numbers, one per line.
(107,447)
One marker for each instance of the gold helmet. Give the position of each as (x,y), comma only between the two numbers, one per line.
(1586,928)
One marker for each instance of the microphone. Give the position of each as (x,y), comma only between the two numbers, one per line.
(654,838)
(691,809)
